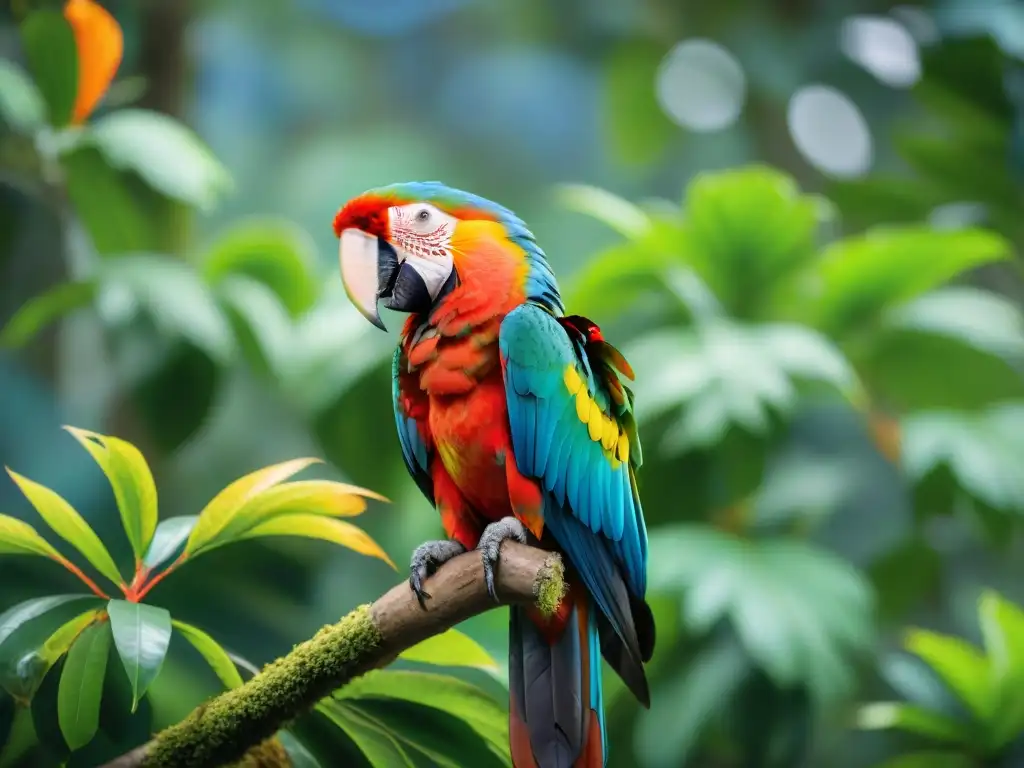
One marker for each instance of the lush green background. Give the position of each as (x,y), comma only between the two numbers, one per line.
(811,257)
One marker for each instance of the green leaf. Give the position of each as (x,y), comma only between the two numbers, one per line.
(447,694)
(20,614)
(982,450)
(312,526)
(141,633)
(49,45)
(961,666)
(20,538)
(747,232)
(7,711)
(215,656)
(800,612)
(452,649)
(906,717)
(299,755)
(114,214)
(624,217)
(276,253)
(177,300)
(81,686)
(884,198)
(165,153)
(373,739)
(859,278)
(21,104)
(1002,627)
(168,539)
(132,482)
(260,322)
(638,129)
(233,499)
(68,524)
(42,310)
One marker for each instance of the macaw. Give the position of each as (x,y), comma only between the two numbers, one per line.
(515,424)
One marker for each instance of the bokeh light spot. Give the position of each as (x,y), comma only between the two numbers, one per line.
(701,86)
(830,131)
(883,47)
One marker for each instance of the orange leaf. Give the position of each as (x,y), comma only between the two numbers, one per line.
(100,44)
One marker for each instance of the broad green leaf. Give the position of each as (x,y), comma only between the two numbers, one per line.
(68,524)
(177,300)
(141,633)
(25,661)
(962,666)
(169,537)
(49,46)
(930,759)
(132,481)
(747,231)
(860,277)
(316,497)
(1002,627)
(262,328)
(226,504)
(17,616)
(615,279)
(299,755)
(276,253)
(323,528)
(448,694)
(117,218)
(906,717)
(210,649)
(451,649)
(20,538)
(81,686)
(21,104)
(58,643)
(883,197)
(624,217)
(165,153)
(38,312)
(373,739)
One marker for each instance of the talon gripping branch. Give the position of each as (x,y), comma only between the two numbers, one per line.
(514,422)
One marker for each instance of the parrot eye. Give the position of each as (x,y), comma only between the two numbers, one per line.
(423,215)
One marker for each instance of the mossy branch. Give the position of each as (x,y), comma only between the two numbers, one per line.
(239,724)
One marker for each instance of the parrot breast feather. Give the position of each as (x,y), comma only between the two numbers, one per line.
(571,432)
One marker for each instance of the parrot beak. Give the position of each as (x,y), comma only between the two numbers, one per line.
(369,270)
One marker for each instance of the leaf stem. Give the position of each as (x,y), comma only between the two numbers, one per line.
(85,579)
(142,591)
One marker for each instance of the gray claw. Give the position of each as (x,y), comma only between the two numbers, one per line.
(490,546)
(426,559)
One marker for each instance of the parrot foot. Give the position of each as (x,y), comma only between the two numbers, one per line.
(490,546)
(426,559)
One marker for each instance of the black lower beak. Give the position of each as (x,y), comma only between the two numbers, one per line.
(387,268)
(408,292)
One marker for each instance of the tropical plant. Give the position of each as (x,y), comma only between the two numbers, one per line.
(54,649)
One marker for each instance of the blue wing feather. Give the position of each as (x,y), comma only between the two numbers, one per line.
(600,498)
(414,450)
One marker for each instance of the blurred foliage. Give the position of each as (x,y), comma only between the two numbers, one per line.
(829,369)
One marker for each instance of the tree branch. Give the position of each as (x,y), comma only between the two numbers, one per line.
(223,730)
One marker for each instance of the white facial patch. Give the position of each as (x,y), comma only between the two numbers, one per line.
(421,235)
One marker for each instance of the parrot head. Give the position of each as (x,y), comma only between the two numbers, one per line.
(395,244)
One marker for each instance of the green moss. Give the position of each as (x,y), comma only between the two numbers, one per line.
(270,754)
(219,732)
(550,585)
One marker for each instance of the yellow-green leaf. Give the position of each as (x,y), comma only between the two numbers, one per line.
(20,538)
(68,524)
(962,666)
(316,497)
(57,644)
(81,686)
(324,528)
(226,504)
(451,649)
(884,715)
(132,482)
(212,651)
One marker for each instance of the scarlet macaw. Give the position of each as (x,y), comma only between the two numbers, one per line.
(515,424)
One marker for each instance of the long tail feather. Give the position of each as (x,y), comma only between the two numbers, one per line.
(556,711)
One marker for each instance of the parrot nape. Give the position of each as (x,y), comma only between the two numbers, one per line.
(515,424)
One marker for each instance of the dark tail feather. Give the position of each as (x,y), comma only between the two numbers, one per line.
(556,713)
